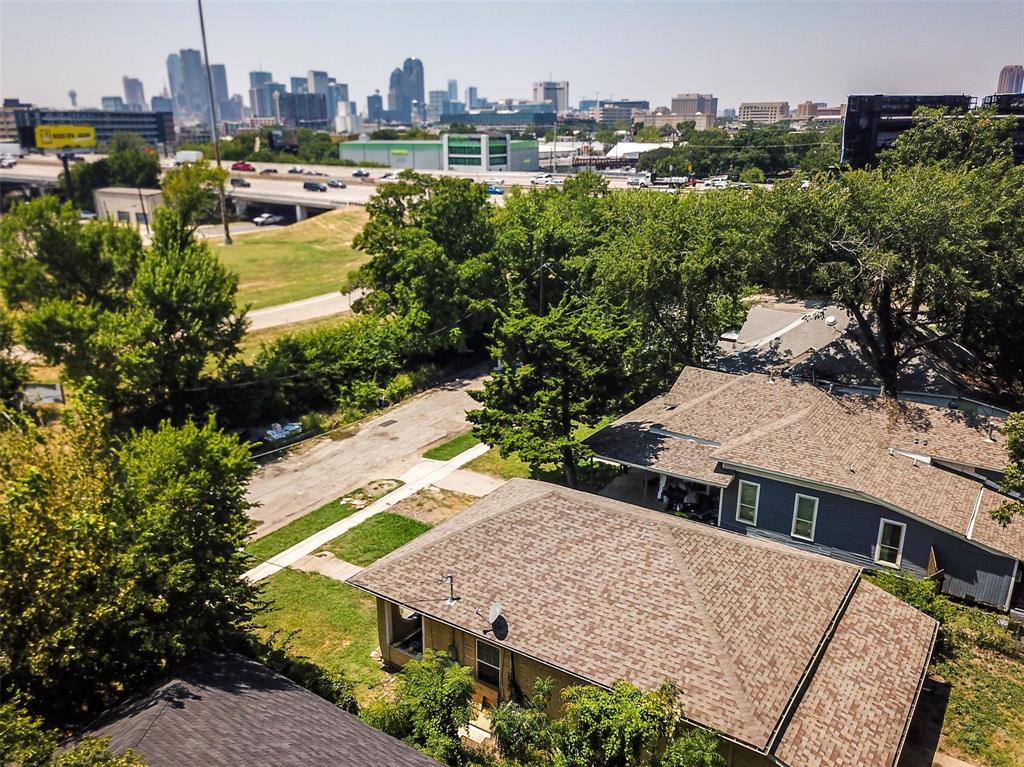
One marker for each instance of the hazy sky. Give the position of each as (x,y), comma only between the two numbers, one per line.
(739,51)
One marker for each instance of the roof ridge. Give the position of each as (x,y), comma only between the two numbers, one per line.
(729,670)
(766,429)
(717,390)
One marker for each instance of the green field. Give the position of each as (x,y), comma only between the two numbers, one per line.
(253,341)
(299,261)
(381,534)
(335,624)
(452,448)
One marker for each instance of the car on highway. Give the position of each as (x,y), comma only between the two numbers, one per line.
(389,177)
(268,219)
(243,165)
(335,184)
(314,186)
(268,171)
(296,169)
(640,181)
(240,182)
(494,182)
(552,182)
(361,173)
(315,173)
(495,190)
(7,163)
(542,178)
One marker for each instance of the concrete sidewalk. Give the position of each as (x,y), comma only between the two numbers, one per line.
(324,305)
(422,475)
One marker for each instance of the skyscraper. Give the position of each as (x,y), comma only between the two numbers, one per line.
(471,98)
(317,81)
(176,79)
(299,85)
(112,104)
(337,94)
(374,106)
(555,92)
(220,82)
(194,88)
(1011,79)
(133,93)
(690,104)
(405,88)
(301,110)
(259,97)
(453,90)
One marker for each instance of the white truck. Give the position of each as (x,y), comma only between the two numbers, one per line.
(188,155)
(648,179)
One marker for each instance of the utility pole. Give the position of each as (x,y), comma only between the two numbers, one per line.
(213,127)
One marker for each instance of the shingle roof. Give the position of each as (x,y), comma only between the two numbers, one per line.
(804,433)
(606,590)
(231,710)
(868,680)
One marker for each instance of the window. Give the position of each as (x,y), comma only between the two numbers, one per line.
(805,515)
(889,550)
(746,502)
(488,663)
(123,215)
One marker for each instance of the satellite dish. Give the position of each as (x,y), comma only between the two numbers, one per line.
(831,320)
(494,613)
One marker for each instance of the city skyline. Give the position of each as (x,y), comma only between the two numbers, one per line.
(804,63)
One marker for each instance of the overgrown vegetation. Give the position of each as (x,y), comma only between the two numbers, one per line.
(983,664)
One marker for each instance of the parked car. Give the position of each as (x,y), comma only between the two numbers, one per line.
(361,173)
(239,182)
(296,169)
(335,184)
(279,432)
(542,178)
(495,190)
(243,165)
(314,186)
(268,219)
(268,171)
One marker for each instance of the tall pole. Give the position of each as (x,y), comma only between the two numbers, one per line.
(213,127)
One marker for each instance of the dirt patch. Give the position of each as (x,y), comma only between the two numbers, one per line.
(433,505)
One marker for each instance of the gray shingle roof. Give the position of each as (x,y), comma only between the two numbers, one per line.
(606,590)
(231,710)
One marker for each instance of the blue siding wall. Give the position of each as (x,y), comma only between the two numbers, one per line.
(848,529)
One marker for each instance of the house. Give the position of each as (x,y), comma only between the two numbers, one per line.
(225,709)
(790,656)
(863,479)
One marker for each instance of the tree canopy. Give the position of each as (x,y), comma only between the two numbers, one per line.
(130,162)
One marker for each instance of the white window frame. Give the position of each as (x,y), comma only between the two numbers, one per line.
(878,542)
(739,501)
(476,669)
(814,517)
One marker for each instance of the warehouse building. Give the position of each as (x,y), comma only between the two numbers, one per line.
(473,151)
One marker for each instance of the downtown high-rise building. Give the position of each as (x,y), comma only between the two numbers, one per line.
(472,99)
(133,92)
(261,101)
(195,92)
(176,79)
(316,82)
(692,104)
(453,90)
(1011,79)
(554,92)
(299,85)
(405,91)
(374,107)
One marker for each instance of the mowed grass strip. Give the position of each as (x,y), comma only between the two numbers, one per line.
(452,448)
(336,624)
(300,529)
(381,534)
(290,263)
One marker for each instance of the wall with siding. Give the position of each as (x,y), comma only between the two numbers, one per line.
(847,529)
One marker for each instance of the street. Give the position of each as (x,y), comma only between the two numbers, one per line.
(385,447)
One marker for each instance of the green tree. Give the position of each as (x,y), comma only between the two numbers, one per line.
(431,705)
(193,191)
(524,733)
(955,141)
(25,742)
(13,371)
(141,323)
(752,176)
(119,560)
(130,162)
(1013,476)
(648,135)
(561,371)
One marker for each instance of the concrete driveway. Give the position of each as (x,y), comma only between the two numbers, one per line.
(384,447)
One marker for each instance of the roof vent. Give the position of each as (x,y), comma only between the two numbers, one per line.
(989,438)
(891,451)
(852,469)
(831,320)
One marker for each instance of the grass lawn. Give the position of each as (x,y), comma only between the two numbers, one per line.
(336,624)
(381,534)
(298,261)
(285,537)
(451,448)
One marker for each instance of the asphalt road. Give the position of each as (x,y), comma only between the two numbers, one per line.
(383,448)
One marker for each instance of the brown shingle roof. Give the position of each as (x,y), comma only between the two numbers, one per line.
(804,433)
(865,687)
(606,591)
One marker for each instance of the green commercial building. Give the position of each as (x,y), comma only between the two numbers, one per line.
(452,151)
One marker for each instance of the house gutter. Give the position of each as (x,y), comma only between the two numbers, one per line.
(620,462)
(812,667)
(917,695)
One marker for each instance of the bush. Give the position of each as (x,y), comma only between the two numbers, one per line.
(752,176)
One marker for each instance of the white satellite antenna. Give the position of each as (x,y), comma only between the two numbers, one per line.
(494,613)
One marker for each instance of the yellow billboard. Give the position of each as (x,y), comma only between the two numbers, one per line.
(65,136)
